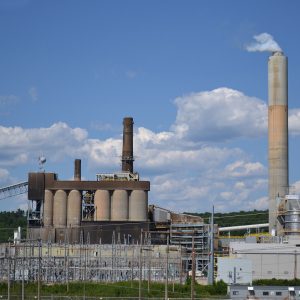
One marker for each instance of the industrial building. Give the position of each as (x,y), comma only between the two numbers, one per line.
(113,202)
(241,292)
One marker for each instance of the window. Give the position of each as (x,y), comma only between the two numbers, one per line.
(235,292)
(265,293)
(278,293)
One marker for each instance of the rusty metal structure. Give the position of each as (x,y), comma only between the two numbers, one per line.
(113,202)
(278,135)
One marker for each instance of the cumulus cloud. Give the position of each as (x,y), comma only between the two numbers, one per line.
(187,169)
(239,169)
(294,121)
(263,42)
(219,115)
(259,204)
(16,143)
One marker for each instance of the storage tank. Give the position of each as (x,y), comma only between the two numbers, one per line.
(290,211)
(138,205)
(60,209)
(102,205)
(48,208)
(119,205)
(74,209)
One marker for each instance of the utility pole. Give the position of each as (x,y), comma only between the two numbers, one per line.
(167,268)
(8,272)
(23,262)
(140,267)
(149,270)
(39,270)
(211,262)
(193,270)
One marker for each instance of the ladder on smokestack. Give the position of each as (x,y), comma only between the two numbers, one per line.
(13,190)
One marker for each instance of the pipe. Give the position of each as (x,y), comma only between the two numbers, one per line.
(127,152)
(278,134)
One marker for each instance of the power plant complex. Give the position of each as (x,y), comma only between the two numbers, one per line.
(110,219)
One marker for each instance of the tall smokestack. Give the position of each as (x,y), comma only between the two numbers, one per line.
(278,133)
(127,152)
(77,169)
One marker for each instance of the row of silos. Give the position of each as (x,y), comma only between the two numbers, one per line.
(62,209)
(121,205)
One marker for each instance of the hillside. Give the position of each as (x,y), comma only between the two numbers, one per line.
(236,218)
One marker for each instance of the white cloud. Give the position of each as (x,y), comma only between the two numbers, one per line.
(259,204)
(294,121)
(18,144)
(223,114)
(188,172)
(240,169)
(219,115)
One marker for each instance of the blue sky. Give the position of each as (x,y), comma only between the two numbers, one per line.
(71,70)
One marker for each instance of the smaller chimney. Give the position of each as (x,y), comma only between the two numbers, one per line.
(127,152)
(77,170)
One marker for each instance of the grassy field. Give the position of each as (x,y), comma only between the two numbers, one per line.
(119,289)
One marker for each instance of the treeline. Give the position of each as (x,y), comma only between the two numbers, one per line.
(236,218)
(9,221)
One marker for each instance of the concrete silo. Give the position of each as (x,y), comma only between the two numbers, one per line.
(74,209)
(119,205)
(138,205)
(102,205)
(48,208)
(60,209)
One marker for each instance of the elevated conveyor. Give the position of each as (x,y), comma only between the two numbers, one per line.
(13,190)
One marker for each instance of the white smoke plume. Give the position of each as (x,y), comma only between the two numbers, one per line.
(264,42)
